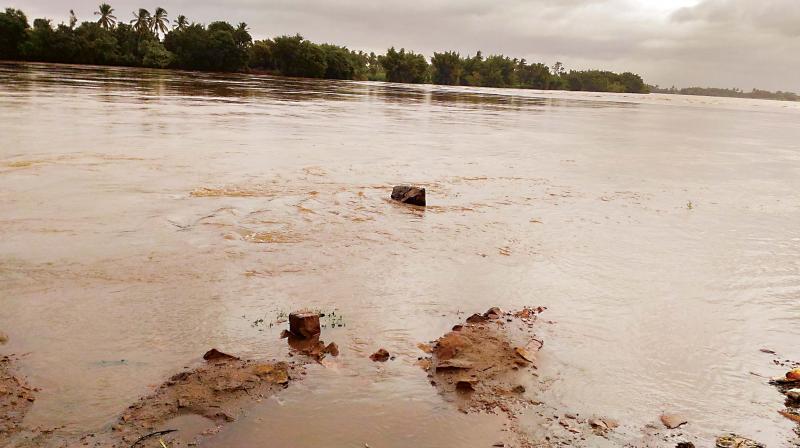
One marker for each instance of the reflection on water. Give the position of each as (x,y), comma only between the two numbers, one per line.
(149,215)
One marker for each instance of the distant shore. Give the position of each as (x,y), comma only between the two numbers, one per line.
(151,40)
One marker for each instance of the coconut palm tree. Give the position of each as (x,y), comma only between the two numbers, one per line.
(181,22)
(242,27)
(141,20)
(107,18)
(159,23)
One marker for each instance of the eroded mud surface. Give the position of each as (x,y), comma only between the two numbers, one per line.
(188,407)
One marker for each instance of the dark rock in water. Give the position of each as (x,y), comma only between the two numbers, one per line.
(215,354)
(409,195)
(684,445)
(493,313)
(380,356)
(332,348)
(304,324)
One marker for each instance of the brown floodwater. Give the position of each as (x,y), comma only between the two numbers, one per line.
(146,216)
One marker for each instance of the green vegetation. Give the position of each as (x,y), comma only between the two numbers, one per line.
(149,41)
(732,93)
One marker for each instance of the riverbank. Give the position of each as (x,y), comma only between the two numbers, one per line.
(486,365)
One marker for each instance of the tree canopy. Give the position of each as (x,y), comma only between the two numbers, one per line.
(147,40)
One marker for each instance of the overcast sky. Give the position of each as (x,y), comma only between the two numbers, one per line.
(721,43)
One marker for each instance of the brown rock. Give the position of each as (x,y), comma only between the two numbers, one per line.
(409,195)
(476,319)
(380,356)
(332,349)
(526,354)
(214,354)
(3,338)
(304,324)
(493,313)
(684,445)
(673,421)
(793,375)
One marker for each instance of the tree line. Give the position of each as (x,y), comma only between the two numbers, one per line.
(732,93)
(151,40)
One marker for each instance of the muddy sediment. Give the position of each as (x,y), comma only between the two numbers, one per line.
(16,397)
(488,364)
(187,407)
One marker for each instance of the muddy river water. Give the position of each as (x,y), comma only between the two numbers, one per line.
(146,216)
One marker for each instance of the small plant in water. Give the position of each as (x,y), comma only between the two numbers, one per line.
(689,205)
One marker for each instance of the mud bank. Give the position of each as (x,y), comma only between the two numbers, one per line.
(488,364)
(16,397)
(183,410)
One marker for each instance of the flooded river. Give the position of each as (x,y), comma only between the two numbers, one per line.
(146,216)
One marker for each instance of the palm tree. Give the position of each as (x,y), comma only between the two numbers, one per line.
(141,21)
(181,22)
(107,18)
(242,27)
(159,22)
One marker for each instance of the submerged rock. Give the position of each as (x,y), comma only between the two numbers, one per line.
(673,421)
(215,354)
(380,356)
(408,194)
(3,338)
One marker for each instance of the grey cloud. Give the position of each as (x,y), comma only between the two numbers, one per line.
(776,16)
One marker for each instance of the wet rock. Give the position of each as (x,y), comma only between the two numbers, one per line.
(425,347)
(734,441)
(524,354)
(3,338)
(304,324)
(794,394)
(214,354)
(602,425)
(380,356)
(408,194)
(793,375)
(684,445)
(476,319)
(673,421)
(493,313)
